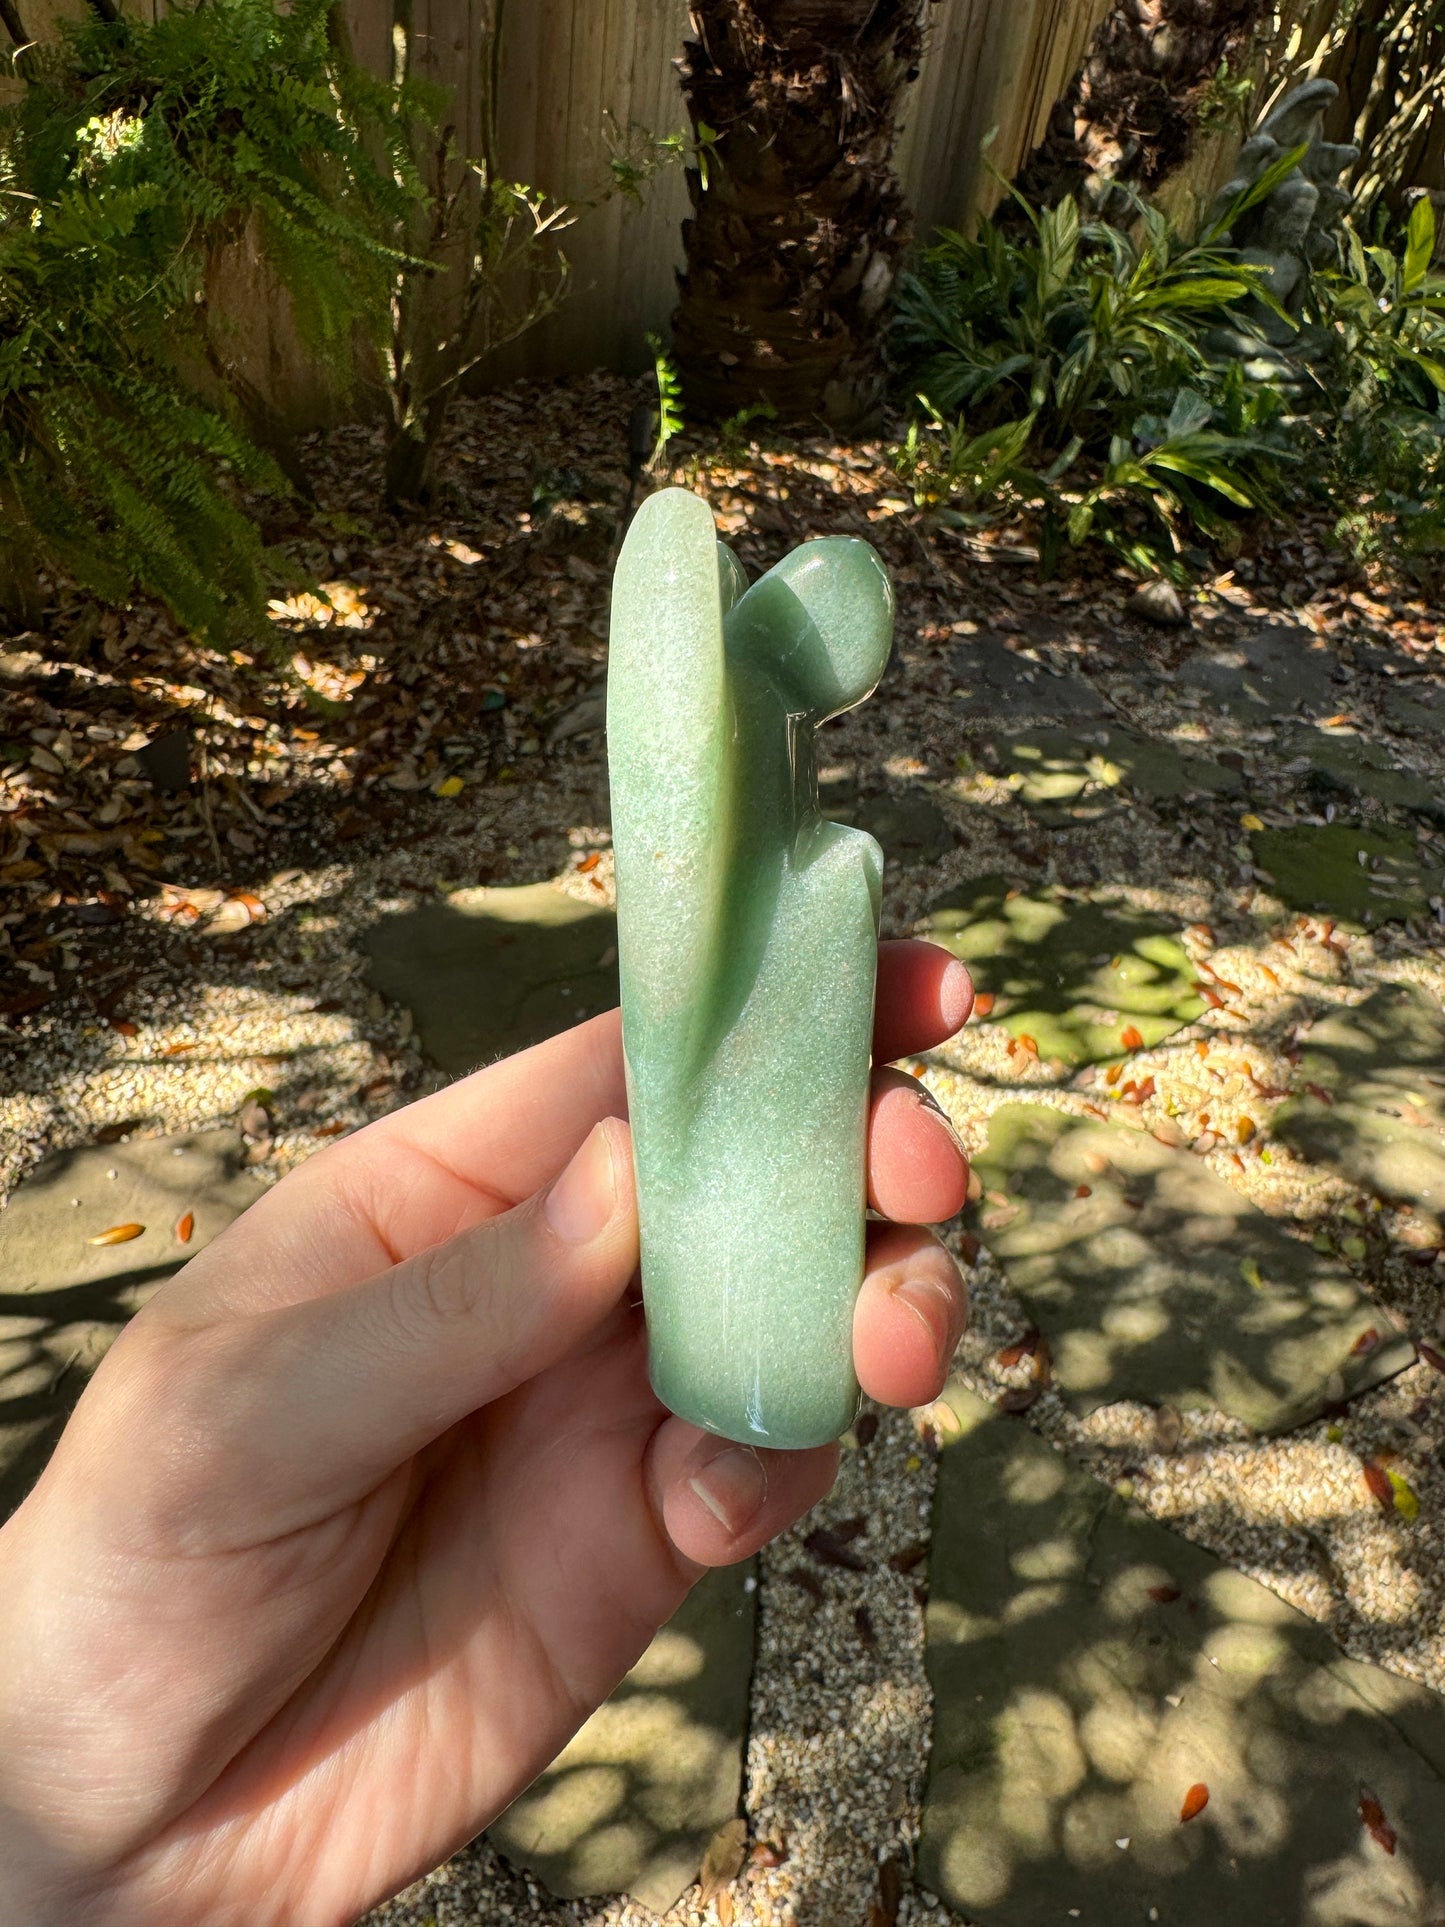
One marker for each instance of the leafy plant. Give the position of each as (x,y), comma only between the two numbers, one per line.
(1063,367)
(126,434)
(1377,430)
(669,399)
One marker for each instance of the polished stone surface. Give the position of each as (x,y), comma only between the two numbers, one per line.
(748,938)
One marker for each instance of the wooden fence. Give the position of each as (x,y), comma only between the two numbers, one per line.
(566,68)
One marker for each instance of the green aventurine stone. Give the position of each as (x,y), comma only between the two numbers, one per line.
(747,938)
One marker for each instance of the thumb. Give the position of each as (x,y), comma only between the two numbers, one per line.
(314,1403)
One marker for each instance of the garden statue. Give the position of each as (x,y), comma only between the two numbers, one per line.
(1289,231)
(747,938)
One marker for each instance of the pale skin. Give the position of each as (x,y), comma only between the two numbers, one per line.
(372,1505)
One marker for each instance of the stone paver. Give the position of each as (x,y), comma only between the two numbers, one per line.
(1352,764)
(63,1300)
(487,972)
(1054,766)
(1366,876)
(1154,1279)
(1071,974)
(1381,1121)
(994,680)
(632,1803)
(1090,1667)
(1277,671)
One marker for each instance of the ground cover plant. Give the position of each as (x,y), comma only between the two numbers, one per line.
(1066,366)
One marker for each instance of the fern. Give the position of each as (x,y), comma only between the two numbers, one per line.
(135,152)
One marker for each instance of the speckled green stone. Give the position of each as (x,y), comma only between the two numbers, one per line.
(747,933)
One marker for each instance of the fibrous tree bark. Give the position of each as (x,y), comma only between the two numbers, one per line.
(798,223)
(1131,112)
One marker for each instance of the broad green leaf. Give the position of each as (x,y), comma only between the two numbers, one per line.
(1419,243)
(1220,480)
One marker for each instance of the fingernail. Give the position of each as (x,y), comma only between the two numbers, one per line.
(582,1201)
(733,1487)
(931,1104)
(955,996)
(933,1297)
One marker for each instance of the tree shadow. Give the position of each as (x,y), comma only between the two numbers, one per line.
(1090,1667)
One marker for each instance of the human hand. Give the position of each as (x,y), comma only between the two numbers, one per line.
(371,1505)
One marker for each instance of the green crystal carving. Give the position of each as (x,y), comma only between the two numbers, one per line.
(747,938)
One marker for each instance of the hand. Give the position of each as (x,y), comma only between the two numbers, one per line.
(371,1505)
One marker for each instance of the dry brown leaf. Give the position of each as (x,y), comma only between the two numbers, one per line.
(1131,1038)
(1195,1801)
(723,1861)
(117,1234)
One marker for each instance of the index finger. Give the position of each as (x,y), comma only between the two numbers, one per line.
(431,1170)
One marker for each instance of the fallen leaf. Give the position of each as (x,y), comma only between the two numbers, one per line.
(185,1225)
(116,1234)
(1022,1348)
(723,1861)
(450,786)
(983,1003)
(124,1027)
(1430,1356)
(831,1548)
(765,1854)
(1131,1038)
(589,863)
(865,1429)
(1372,1815)
(1249,821)
(1018,1399)
(1378,1481)
(1403,1495)
(1168,1429)
(1195,1801)
(1113,1074)
(1083,1190)
(807,1582)
(1244,1130)
(1166,1596)
(176,1050)
(890,1894)
(1367,1342)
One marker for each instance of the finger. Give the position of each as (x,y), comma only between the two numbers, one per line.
(909,1317)
(719,1502)
(917,1170)
(348,1385)
(459,1157)
(924,996)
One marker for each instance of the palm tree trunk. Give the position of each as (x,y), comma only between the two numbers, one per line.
(798,226)
(1132,110)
